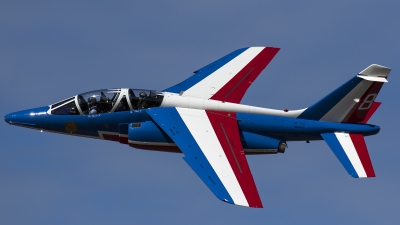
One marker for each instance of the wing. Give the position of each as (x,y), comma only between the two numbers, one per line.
(211,144)
(228,78)
(352,152)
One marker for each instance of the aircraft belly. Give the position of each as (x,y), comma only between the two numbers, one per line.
(277,127)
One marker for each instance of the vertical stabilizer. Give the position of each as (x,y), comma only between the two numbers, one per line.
(353,101)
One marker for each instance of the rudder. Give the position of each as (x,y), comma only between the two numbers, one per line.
(354,101)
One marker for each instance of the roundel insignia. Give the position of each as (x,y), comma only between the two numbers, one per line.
(71,127)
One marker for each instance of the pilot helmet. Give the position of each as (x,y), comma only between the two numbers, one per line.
(143,94)
(91,100)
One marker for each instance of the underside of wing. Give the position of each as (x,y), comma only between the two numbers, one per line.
(211,144)
(228,78)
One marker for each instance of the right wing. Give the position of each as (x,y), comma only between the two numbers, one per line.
(228,78)
(212,147)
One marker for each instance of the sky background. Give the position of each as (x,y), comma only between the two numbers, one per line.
(51,50)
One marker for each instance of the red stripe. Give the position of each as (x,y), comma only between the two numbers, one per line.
(158,148)
(111,137)
(123,140)
(362,151)
(371,111)
(355,115)
(234,90)
(227,131)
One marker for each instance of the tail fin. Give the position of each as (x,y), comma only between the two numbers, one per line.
(354,101)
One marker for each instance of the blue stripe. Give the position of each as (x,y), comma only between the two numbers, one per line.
(204,72)
(322,107)
(337,148)
(171,122)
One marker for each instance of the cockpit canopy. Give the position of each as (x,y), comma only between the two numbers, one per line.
(108,100)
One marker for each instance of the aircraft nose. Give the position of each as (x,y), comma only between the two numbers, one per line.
(26,118)
(8,117)
(19,118)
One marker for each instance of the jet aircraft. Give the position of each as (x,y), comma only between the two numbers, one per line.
(202,118)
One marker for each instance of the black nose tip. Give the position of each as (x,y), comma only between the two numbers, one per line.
(7,118)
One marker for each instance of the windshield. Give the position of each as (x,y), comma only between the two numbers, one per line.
(108,100)
(65,107)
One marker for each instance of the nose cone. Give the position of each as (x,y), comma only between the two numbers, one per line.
(7,118)
(30,118)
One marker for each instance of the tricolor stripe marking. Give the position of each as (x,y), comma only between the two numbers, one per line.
(202,131)
(352,152)
(171,122)
(207,87)
(236,87)
(227,131)
(362,152)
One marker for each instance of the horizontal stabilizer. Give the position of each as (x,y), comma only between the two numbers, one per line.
(352,152)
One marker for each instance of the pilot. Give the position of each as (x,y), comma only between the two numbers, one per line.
(142,102)
(92,105)
(142,94)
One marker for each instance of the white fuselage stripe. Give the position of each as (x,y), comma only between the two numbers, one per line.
(202,131)
(101,133)
(351,152)
(175,100)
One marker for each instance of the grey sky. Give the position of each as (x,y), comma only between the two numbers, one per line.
(51,50)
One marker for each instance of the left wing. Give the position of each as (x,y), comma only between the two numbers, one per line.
(228,78)
(211,144)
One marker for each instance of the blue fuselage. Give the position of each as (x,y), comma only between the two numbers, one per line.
(282,128)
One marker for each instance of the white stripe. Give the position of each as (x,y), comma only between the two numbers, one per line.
(174,100)
(202,131)
(343,107)
(215,81)
(107,132)
(351,152)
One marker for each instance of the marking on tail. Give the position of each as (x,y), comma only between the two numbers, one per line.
(351,102)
